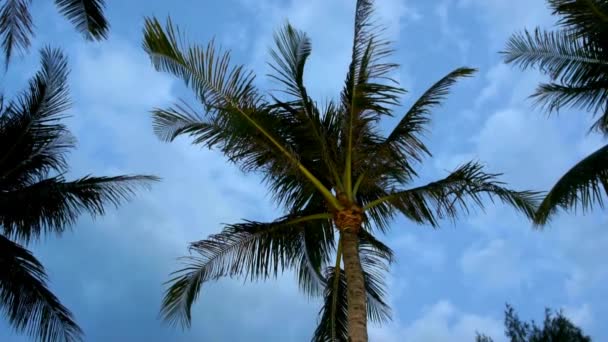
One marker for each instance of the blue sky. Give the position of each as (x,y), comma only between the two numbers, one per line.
(446,284)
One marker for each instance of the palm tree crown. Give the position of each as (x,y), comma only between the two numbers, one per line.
(17,27)
(36,199)
(337,177)
(575,57)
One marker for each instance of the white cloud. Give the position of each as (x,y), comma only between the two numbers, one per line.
(496,266)
(441,322)
(421,252)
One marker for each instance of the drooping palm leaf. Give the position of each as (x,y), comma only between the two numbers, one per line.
(447,197)
(251,250)
(587,19)
(25,300)
(87,16)
(575,58)
(53,204)
(583,185)
(16,27)
(572,62)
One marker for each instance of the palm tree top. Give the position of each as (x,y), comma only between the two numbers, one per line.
(328,166)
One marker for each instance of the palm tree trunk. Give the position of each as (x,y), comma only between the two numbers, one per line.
(355,285)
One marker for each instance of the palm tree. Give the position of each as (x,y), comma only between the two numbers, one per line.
(575,57)
(36,199)
(336,176)
(17,28)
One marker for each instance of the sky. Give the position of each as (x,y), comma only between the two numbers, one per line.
(446,284)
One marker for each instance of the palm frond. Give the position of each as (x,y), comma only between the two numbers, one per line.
(394,156)
(406,135)
(87,16)
(446,198)
(583,185)
(553,96)
(16,27)
(32,138)
(292,49)
(251,250)
(26,301)
(369,91)
(230,98)
(556,53)
(586,19)
(53,204)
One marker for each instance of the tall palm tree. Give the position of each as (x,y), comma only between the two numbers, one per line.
(36,199)
(17,28)
(575,57)
(337,177)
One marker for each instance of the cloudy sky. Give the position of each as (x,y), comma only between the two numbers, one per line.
(446,284)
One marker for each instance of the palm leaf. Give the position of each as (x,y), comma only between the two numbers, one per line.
(580,187)
(394,156)
(366,95)
(25,300)
(571,61)
(292,49)
(16,27)
(586,19)
(54,204)
(87,16)
(251,250)
(32,138)
(447,197)
(228,93)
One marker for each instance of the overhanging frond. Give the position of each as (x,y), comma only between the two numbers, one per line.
(26,301)
(583,185)
(251,250)
(53,205)
(16,27)
(556,53)
(447,197)
(87,16)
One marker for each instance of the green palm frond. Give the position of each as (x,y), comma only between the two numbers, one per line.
(583,185)
(251,250)
(229,96)
(556,53)
(592,96)
(447,197)
(87,16)
(32,138)
(369,91)
(395,155)
(53,204)
(586,19)
(16,27)
(292,49)
(26,301)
